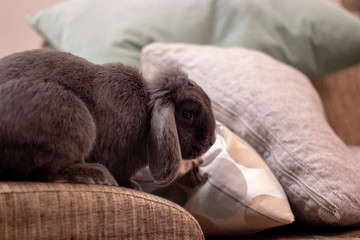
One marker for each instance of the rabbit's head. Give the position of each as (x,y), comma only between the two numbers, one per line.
(182,123)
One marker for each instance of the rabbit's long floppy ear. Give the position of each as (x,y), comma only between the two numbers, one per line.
(164,148)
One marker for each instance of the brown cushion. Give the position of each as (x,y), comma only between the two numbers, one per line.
(340,93)
(75,211)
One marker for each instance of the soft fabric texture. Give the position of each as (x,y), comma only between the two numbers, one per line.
(340,95)
(316,37)
(31,210)
(230,190)
(277,110)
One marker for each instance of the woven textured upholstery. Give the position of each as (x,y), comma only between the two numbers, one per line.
(340,93)
(75,211)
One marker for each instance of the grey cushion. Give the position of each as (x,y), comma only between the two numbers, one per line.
(276,109)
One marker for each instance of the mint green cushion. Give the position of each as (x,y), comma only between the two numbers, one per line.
(316,37)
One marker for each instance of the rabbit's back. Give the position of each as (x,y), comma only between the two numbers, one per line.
(66,70)
(42,63)
(44,122)
(109,100)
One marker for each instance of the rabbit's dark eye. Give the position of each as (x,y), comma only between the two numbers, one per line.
(186,115)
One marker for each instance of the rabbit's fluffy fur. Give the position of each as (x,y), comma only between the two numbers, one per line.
(62,119)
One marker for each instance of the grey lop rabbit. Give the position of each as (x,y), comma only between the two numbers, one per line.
(64,119)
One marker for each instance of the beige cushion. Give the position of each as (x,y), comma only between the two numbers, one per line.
(276,109)
(75,211)
(231,192)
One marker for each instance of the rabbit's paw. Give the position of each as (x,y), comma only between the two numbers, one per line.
(88,173)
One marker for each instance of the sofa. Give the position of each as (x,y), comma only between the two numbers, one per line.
(304,167)
(31,210)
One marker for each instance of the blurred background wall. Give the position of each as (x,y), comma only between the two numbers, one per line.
(15,34)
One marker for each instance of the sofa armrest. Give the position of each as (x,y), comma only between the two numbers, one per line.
(340,93)
(78,211)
